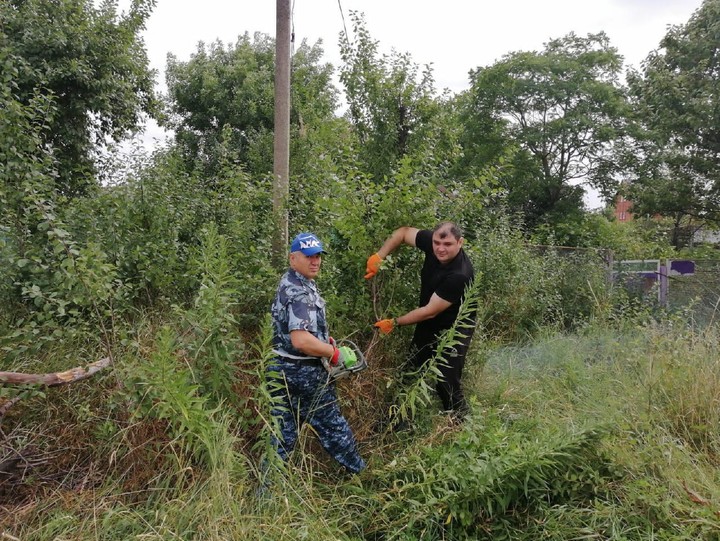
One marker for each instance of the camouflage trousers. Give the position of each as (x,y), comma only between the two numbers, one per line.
(304,395)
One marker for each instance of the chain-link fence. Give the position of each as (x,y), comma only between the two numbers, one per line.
(689,285)
(692,286)
(698,292)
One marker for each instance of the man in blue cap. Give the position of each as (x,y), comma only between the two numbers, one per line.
(300,340)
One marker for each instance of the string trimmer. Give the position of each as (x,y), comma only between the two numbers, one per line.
(354,361)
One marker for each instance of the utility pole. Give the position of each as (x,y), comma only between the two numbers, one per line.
(281,157)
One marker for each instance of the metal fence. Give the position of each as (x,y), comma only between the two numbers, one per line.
(689,285)
(698,292)
(676,285)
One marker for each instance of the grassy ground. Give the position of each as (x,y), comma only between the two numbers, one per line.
(603,434)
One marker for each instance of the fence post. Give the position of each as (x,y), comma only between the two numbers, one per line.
(663,265)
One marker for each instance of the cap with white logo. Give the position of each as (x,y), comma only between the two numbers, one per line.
(308,244)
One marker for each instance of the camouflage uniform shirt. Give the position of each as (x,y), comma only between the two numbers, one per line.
(297,306)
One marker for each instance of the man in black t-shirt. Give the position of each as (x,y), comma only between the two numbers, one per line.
(446,273)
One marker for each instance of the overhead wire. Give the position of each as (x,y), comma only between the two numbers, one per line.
(342,16)
(292,24)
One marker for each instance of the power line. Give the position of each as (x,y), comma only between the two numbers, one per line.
(342,16)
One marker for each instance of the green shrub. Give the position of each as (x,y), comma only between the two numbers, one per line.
(482,483)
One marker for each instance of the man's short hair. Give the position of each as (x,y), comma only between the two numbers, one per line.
(448,228)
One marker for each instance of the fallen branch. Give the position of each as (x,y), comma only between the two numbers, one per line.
(55,378)
(49,380)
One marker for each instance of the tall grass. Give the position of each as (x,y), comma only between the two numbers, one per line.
(655,387)
(609,431)
(602,434)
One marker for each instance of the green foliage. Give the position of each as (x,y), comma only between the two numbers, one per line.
(526,288)
(483,482)
(362,214)
(168,445)
(223,97)
(166,390)
(475,203)
(55,281)
(635,239)
(393,108)
(93,67)
(534,461)
(66,289)
(681,391)
(151,224)
(264,402)
(212,344)
(699,251)
(146,225)
(26,174)
(676,100)
(650,381)
(558,111)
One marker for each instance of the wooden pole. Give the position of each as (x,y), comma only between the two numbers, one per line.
(281,156)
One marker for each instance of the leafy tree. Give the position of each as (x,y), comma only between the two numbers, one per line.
(91,63)
(553,115)
(393,107)
(26,176)
(223,97)
(677,109)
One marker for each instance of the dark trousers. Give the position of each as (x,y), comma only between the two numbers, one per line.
(449,387)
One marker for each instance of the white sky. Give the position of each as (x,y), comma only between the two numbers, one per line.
(454,36)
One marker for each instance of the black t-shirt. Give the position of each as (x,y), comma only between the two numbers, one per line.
(448,281)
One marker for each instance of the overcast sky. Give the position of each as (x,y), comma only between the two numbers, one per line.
(454,36)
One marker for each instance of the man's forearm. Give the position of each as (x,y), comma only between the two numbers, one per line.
(310,344)
(399,236)
(415,316)
(430,310)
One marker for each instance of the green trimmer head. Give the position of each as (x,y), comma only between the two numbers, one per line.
(353,364)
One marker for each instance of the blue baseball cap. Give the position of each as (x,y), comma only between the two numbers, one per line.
(308,244)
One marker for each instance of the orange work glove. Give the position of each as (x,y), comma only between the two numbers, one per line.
(373,265)
(386,325)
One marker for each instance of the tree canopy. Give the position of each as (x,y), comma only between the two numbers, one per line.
(392,106)
(677,104)
(556,112)
(93,65)
(223,97)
